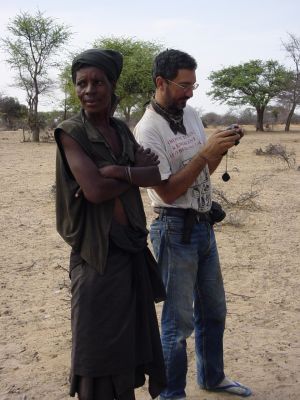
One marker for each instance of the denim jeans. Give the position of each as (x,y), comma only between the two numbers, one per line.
(195,301)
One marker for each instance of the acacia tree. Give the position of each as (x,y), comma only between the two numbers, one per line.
(135,84)
(70,102)
(253,83)
(33,43)
(291,95)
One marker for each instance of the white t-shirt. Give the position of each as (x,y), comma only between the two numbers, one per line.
(174,152)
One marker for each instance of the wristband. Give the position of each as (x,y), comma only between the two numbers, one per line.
(128,175)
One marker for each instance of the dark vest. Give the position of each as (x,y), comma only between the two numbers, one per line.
(83,225)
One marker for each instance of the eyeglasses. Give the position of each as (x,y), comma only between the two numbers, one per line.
(185,87)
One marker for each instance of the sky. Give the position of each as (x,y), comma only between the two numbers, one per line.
(216,33)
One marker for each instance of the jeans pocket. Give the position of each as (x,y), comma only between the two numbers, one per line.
(155,230)
(157,238)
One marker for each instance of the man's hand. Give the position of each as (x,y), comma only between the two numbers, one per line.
(234,129)
(237,129)
(145,158)
(219,142)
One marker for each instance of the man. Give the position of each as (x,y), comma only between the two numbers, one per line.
(182,235)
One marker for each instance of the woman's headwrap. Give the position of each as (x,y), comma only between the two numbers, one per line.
(109,61)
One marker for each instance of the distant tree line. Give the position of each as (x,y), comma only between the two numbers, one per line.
(267,91)
(273,115)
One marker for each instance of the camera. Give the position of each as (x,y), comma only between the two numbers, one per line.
(236,129)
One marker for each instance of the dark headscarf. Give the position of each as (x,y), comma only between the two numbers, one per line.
(109,61)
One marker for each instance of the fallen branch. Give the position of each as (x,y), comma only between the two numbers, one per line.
(61,267)
(241,295)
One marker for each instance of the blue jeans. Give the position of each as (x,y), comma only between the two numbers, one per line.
(195,301)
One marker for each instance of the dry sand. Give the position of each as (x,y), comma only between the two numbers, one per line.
(259,250)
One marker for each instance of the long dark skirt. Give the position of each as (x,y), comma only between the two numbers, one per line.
(114,326)
(101,388)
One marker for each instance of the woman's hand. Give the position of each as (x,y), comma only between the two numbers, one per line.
(145,158)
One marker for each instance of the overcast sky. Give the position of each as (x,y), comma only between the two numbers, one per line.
(216,33)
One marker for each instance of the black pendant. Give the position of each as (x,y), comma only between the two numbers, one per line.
(226,177)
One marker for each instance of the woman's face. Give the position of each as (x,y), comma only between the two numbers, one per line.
(93,89)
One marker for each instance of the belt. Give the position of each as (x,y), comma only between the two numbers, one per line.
(190,218)
(182,213)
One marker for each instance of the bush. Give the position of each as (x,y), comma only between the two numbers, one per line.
(278,151)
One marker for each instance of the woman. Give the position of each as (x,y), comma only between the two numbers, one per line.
(114,281)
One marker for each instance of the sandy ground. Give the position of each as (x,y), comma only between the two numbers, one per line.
(259,250)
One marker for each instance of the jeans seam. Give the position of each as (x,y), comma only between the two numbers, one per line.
(208,228)
(172,305)
(203,351)
(170,262)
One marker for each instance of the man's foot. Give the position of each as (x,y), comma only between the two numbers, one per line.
(232,387)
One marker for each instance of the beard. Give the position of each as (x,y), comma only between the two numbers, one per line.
(177,105)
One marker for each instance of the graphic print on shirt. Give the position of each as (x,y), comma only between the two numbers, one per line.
(200,193)
(182,149)
(179,145)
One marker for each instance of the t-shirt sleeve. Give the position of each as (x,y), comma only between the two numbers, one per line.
(149,137)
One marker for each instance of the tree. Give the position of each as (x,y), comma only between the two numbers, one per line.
(247,117)
(292,93)
(32,45)
(135,85)
(11,112)
(211,118)
(253,83)
(70,103)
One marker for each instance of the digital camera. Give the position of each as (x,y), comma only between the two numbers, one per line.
(236,129)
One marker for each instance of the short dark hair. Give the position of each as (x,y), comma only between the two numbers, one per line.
(168,62)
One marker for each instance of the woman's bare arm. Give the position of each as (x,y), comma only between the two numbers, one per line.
(95,187)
